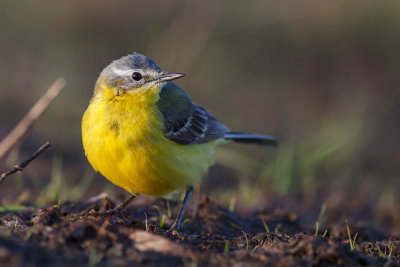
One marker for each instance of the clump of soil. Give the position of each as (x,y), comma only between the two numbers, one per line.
(211,235)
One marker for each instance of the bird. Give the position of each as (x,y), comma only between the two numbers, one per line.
(144,133)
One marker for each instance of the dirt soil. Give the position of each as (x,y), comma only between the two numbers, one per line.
(69,235)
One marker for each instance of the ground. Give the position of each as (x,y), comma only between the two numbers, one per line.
(70,234)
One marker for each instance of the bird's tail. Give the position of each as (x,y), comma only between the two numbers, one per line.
(252,138)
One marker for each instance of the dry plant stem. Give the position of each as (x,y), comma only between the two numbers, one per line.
(20,167)
(20,130)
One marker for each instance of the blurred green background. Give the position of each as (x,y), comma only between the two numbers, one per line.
(322,76)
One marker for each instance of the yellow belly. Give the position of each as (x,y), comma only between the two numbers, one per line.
(124,140)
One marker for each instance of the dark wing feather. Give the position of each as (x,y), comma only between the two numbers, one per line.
(185,122)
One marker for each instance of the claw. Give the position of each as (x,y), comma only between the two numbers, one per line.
(181,236)
(117,212)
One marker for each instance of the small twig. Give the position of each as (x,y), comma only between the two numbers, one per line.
(22,127)
(20,167)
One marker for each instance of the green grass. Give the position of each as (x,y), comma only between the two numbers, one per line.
(304,163)
(266,226)
(383,254)
(320,219)
(325,233)
(316,228)
(29,234)
(169,210)
(10,208)
(321,214)
(352,241)
(161,216)
(277,227)
(226,248)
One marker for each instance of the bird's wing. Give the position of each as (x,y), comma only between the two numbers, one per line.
(185,122)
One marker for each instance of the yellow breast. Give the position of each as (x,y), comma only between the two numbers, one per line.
(124,140)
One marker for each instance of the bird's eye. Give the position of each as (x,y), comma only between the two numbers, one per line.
(136,76)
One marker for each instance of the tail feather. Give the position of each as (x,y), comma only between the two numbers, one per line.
(252,138)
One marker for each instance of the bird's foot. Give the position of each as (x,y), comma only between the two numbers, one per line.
(181,235)
(174,230)
(115,213)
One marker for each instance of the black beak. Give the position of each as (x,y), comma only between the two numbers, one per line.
(169,76)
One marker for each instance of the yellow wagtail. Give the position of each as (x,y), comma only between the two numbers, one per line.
(144,133)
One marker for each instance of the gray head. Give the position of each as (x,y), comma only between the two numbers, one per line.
(133,72)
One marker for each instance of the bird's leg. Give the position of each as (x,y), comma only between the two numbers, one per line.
(177,223)
(117,211)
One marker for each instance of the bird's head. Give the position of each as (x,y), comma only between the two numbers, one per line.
(133,74)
